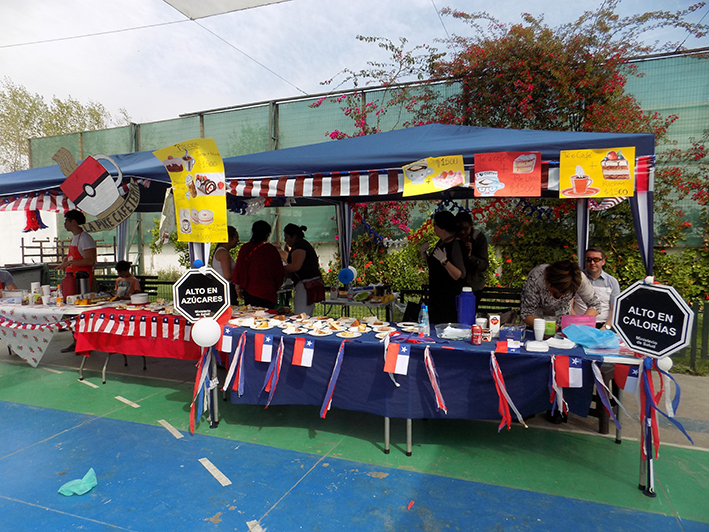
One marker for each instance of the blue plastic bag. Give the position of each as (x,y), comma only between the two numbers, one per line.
(591,337)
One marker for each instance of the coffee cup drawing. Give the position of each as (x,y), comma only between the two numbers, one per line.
(418,172)
(188,161)
(580,181)
(487,183)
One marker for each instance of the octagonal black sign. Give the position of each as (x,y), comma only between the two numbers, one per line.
(201,293)
(653,319)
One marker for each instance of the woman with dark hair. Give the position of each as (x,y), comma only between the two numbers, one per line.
(550,288)
(304,269)
(446,269)
(259,271)
(476,253)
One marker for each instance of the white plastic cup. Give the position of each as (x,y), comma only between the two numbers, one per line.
(34,287)
(481,322)
(495,325)
(539,326)
(46,290)
(45,300)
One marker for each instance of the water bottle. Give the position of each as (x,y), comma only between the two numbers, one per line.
(424,324)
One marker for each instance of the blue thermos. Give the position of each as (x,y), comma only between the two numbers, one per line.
(465,304)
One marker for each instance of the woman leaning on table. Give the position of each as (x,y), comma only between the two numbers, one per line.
(303,267)
(446,269)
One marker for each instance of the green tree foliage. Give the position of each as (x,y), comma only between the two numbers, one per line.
(570,77)
(24,115)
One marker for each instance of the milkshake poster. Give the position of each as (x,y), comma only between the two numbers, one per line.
(433,174)
(603,173)
(197,173)
(510,174)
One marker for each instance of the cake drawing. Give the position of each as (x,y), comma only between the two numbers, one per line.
(614,166)
(524,164)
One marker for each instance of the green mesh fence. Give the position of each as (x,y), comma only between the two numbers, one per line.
(669,85)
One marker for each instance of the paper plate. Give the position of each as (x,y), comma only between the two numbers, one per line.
(262,327)
(407,324)
(348,334)
(296,330)
(383,328)
(319,332)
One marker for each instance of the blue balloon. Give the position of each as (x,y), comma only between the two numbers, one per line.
(345,276)
(197,263)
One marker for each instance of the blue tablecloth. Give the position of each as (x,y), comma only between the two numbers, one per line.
(465,378)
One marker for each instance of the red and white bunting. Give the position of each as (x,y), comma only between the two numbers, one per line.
(49,200)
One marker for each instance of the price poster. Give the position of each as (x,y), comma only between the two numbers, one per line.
(510,174)
(197,173)
(604,173)
(433,174)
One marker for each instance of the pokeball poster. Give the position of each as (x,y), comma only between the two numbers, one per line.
(433,174)
(508,174)
(196,171)
(604,173)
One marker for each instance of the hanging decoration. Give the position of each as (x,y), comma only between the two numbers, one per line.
(34,222)
(606,203)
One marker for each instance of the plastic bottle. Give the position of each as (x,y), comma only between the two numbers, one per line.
(60,296)
(424,324)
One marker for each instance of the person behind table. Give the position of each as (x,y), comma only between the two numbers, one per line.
(446,269)
(259,271)
(222,261)
(81,256)
(476,257)
(605,285)
(6,281)
(549,289)
(126,284)
(302,265)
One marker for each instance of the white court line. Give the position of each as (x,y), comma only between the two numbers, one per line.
(172,430)
(52,370)
(89,384)
(126,401)
(209,466)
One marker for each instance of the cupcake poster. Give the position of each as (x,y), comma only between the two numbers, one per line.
(510,174)
(604,173)
(196,170)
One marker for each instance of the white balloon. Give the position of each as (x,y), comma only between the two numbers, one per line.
(665,364)
(206,332)
(649,279)
(354,270)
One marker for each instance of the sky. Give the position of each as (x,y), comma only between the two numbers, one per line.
(149,59)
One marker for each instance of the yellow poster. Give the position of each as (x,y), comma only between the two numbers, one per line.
(433,174)
(197,173)
(603,173)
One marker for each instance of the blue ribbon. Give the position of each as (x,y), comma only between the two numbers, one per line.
(650,401)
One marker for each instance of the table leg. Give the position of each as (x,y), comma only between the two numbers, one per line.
(81,368)
(618,392)
(386,435)
(408,437)
(105,364)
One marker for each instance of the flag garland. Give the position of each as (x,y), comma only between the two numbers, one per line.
(303,351)
(236,368)
(505,401)
(10,324)
(626,377)
(200,383)
(603,393)
(333,381)
(433,379)
(273,374)
(556,395)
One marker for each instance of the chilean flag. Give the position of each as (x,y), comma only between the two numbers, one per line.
(263,347)
(569,371)
(303,352)
(626,377)
(397,359)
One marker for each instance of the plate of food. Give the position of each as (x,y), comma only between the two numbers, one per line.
(379,323)
(263,325)
(409,329)
(348,334)
(319,332)
(381,335)
(294,330)
(360,328)
(383,329)
(407,324)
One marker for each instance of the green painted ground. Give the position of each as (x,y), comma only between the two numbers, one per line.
(554,462)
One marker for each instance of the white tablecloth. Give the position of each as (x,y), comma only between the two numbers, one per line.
(29,330)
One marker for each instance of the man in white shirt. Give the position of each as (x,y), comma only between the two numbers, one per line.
(605,285)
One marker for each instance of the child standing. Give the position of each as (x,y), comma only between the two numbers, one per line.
(126,284)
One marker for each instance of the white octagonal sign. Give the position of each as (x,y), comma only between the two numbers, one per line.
(653,319)
(201,293)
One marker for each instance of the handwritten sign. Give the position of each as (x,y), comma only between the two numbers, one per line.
(605,173)
(197,174)
(510,174)
(433,174)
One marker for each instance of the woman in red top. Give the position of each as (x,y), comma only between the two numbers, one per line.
(259,270)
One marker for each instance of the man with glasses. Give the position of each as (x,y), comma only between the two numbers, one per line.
(606,287)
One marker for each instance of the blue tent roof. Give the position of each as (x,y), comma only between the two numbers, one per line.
(392,149)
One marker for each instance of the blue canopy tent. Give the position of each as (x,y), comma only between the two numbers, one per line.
(364,168)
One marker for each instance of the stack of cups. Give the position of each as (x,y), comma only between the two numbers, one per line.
(35,294)
(46,290)
(539,325)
